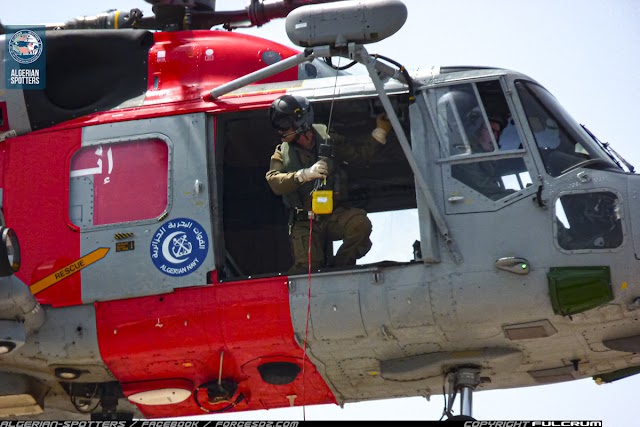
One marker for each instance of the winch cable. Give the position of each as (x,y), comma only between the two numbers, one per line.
(317,185)
(306,328)
(330,64)
(320,182)
(333,98)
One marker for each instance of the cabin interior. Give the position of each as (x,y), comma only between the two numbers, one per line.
(254,226)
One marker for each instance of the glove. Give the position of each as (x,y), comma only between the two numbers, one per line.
(383,127)
(317,170)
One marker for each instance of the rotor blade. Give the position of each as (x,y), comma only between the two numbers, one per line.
(257,13)
(200,14)
(112,19)
(261,12)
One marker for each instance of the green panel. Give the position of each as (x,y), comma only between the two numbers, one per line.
(577,289)
(616,375)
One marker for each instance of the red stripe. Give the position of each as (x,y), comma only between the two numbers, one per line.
(36,206)
(181,336)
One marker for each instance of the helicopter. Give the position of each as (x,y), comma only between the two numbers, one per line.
(233,267)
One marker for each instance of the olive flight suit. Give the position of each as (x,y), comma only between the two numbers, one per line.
(345,223)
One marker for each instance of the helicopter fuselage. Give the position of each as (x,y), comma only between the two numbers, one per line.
(154,256)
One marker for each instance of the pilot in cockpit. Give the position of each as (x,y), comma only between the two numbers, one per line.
(481,141)
(482,175)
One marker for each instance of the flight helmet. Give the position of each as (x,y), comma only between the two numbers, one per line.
(291,112)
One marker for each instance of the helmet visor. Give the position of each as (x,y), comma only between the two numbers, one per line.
(283,123)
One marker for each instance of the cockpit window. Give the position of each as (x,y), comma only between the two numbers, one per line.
(562,143)
(588,221)
(473,120)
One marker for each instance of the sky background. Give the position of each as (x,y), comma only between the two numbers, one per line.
(585,52)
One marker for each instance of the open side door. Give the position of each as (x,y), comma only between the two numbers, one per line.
(252,222)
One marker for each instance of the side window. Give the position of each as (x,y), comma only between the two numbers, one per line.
(588,221)
(494,179)
(119,182)
(479,139)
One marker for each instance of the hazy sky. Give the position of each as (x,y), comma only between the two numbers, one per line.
(586,52)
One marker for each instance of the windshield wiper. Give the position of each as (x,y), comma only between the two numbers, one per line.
(617,158)
(588,162)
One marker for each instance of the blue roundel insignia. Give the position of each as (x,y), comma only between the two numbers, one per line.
(179,247)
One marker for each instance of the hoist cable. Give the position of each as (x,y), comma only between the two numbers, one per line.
(317,185)
(333,98)
(306,328)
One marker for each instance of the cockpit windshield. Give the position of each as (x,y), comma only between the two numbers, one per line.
(562,143)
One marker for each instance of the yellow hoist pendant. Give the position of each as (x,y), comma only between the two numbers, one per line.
(322,202)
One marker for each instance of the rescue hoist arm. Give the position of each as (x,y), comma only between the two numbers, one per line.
(362,56)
